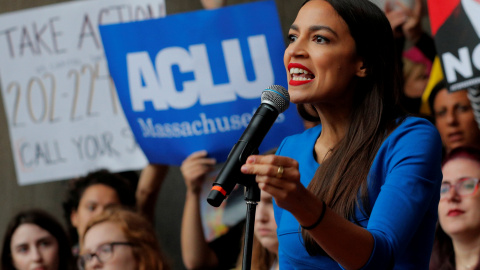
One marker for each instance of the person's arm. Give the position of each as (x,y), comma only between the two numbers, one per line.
(405,21)
(149,184)
(347,243)
(413,32)
(212,4)
(410,185)
(196,253)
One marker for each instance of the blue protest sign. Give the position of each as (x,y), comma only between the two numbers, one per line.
(193,81)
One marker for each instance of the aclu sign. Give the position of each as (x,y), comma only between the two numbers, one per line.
(193,81)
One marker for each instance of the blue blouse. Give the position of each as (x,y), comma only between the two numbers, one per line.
(403,194)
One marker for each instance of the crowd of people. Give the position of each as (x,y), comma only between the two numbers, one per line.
(371,184)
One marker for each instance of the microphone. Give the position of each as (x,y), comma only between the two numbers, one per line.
(275,100)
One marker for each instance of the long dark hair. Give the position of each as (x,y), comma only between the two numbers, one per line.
(433,94)
(375,113)
(443,254)
(46,222)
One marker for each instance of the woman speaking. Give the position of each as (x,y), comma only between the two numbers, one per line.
(361,189)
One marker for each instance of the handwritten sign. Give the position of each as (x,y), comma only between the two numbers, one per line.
(62,109)
(193,81)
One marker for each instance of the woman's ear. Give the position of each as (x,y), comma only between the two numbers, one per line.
(74,218)
(361,70)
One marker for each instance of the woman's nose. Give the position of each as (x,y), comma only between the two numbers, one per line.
(260,215)
(453,195)
(297,49)
(36,255)
(94,263)
(451,118)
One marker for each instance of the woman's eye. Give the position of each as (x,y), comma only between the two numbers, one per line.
(44,243)
(462,108)
(440,113)
(320,39)
(91,207)
(22,249)
(105,249)
(291,38)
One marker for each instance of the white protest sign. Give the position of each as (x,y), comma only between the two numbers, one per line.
(62,109)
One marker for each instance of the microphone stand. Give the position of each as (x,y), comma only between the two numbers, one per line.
(252,197)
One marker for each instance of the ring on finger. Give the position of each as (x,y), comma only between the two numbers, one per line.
(280,171)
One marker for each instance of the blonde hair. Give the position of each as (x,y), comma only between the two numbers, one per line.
(139,232)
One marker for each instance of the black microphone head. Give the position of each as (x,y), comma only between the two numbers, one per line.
(277,96)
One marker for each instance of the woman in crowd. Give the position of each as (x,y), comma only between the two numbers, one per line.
(266,250)
(88,196)
(35,240)
(457,239)
(373,201)
(120,239)
(454,117)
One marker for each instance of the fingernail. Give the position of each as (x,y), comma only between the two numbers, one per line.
(244,168)
(251,159)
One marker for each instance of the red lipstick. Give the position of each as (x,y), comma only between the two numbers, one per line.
(297,65)
(298,82)
(455,212)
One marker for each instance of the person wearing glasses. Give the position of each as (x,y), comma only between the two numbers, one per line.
(122,240)
(457,239)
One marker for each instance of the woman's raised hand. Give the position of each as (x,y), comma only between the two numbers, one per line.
(278,176)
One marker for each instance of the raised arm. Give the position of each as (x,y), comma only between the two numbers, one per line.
(196,253)
(211,4)
(148,188)
(405,21)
